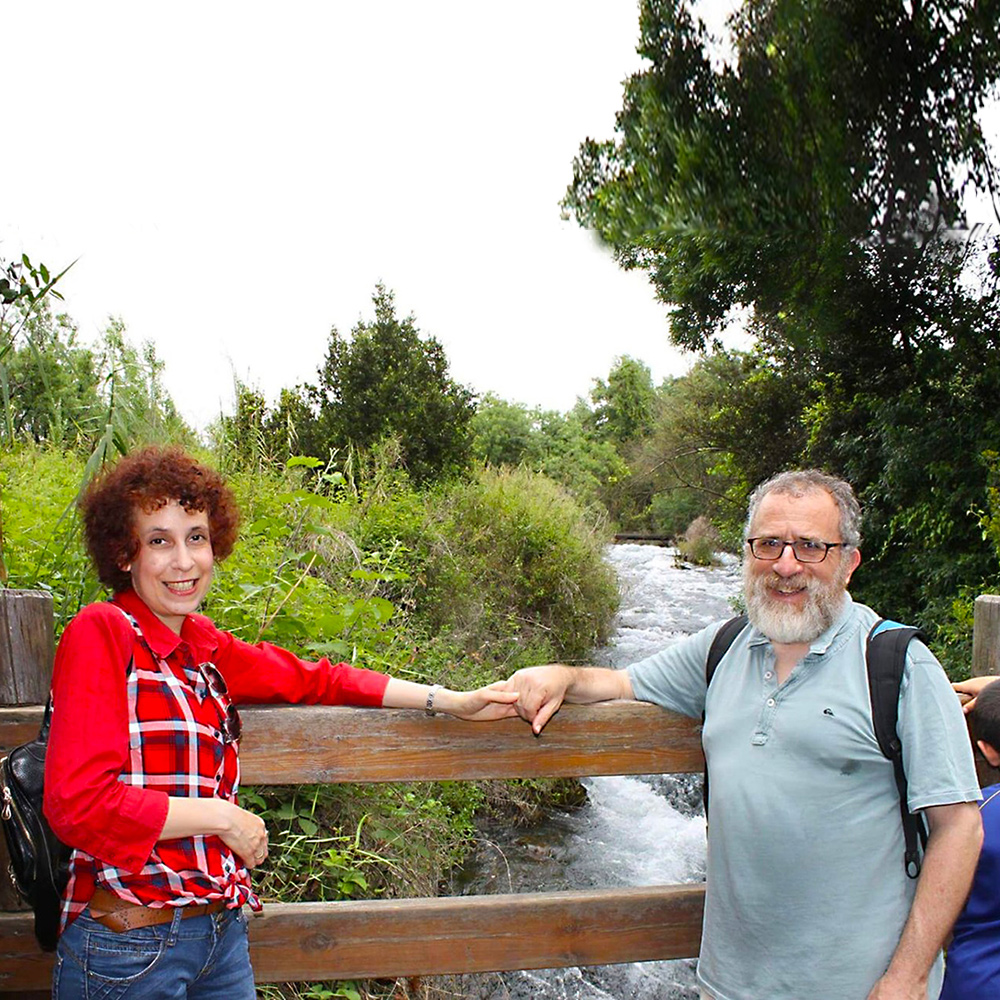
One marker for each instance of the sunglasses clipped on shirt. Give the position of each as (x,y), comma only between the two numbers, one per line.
(231,725)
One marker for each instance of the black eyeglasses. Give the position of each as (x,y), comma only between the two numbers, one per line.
(232,726)
(805,550)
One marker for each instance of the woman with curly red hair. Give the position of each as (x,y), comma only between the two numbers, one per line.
(142,768)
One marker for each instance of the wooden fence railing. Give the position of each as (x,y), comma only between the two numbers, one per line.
(407,937)
(386,938)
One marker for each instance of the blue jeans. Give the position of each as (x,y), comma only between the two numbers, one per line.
(201,958)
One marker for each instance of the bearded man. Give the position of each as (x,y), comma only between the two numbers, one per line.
(807,897)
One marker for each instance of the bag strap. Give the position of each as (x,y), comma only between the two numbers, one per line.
(46,720)
(720,646)
(721,643)
(885,654)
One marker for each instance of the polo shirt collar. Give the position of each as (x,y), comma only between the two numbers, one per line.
(822,643)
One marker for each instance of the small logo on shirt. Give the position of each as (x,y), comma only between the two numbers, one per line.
(828,711)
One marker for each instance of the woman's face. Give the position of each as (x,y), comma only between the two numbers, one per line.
(172,569)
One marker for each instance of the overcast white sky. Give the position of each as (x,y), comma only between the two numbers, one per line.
(235,178)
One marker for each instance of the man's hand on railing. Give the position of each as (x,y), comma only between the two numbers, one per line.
(541,690)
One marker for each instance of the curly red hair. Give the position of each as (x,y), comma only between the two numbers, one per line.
(147,480)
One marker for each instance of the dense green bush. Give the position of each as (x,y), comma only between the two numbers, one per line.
(517,565)
(699,543)
(954,636)
(39,530)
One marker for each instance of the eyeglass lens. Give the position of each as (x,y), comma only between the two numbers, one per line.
(805,549)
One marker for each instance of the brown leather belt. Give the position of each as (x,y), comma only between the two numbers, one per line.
(120,916)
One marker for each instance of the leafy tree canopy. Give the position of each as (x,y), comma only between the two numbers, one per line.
(826,154)
(388,380)
(624,405)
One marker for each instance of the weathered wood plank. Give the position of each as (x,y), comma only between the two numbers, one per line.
(26,646)
(388,938)
(985,661)
(19,724)
(23,966)
(292,744)
(358,939)
(986,636)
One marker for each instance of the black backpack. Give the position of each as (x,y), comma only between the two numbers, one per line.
(39,863)
(885,655)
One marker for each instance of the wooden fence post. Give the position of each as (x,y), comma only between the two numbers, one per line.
(26,646)
(986,661)
(26,650)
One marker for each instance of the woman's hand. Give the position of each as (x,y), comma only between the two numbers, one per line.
(243,832)
(484,704)
(246,835)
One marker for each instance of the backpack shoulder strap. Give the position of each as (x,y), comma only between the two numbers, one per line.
(885,655)
(720,646)
(721,643)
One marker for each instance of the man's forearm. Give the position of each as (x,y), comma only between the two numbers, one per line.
(945,879)
(590,684)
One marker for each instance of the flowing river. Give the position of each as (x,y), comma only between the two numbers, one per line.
(632,831)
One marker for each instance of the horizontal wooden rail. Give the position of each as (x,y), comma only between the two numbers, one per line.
(359,939)
(355,939)
(286,745)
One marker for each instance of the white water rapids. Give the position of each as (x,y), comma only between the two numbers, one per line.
(633,831)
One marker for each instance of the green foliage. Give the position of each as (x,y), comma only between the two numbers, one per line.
(954,629)
(89,399)
(826,155)
(673,508)
(591,469)
(24,290)
(522,568)
(989,518)
(387,380)
(298,580)
(812,185)
(39,530)
(700,543)
(400,837)
(53,385)
(624,405)
(505,433)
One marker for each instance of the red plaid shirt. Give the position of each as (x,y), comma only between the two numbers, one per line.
(123,740)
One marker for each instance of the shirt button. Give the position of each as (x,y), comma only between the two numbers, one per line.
(768,675)
(770,703)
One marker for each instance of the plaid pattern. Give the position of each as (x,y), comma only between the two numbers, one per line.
(180,742)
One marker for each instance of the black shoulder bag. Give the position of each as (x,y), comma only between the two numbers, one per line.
(39,863)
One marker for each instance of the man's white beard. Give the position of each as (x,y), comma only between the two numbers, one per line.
(785,623)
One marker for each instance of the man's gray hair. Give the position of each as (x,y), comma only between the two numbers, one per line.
(799,482)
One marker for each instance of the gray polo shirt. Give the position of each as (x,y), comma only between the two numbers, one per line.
(806,893)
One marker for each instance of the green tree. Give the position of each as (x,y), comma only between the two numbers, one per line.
(53,384)
(388,380)
(814,183)
(624,405)
(824,159)
(504,433)
(70,395)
